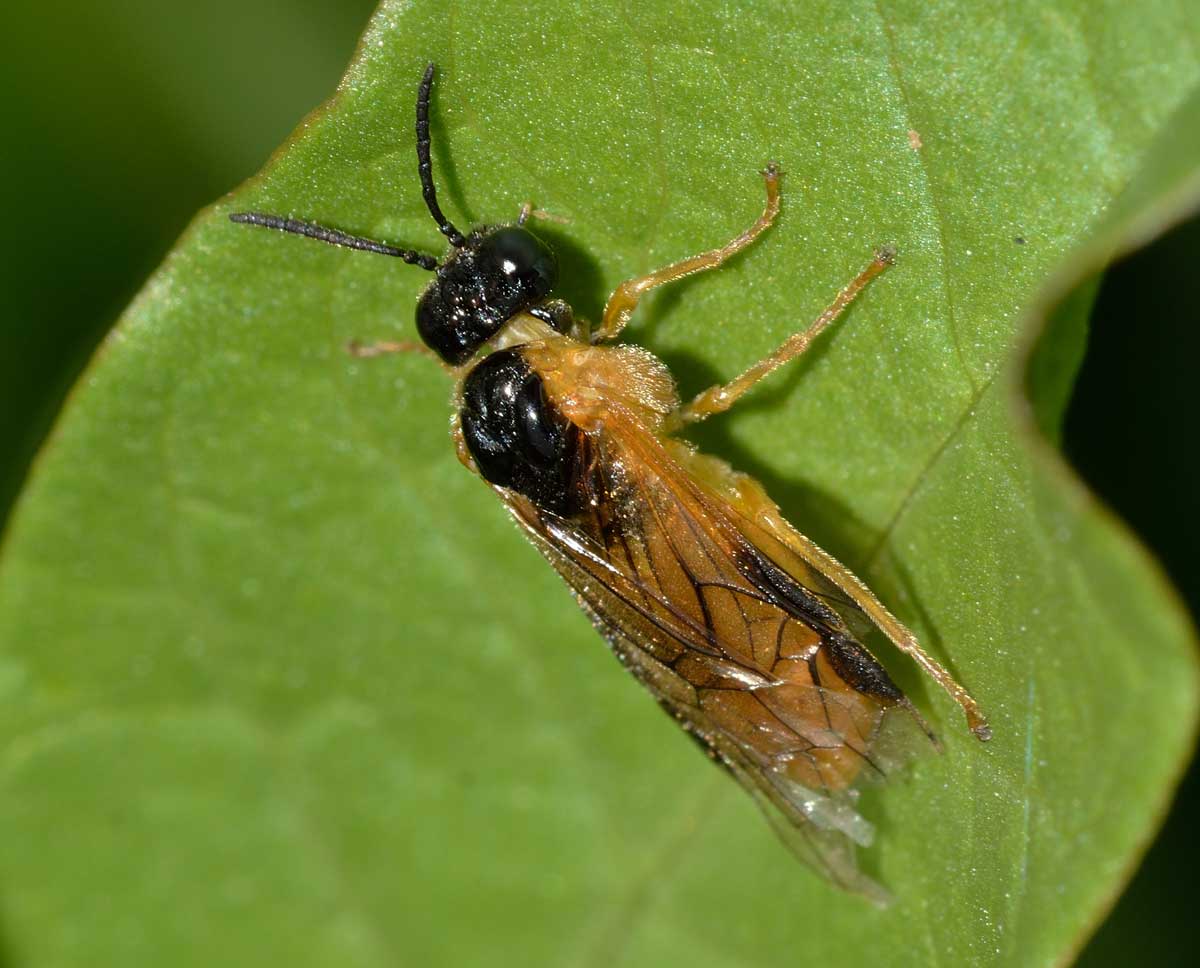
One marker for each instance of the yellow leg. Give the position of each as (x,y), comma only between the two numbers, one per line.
(757,509)
(528,211)
(366,351)
(723,396)
(383,347)
(460,446)
(624,299)
(884,620)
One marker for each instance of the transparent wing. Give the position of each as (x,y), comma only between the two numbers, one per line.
(759,668)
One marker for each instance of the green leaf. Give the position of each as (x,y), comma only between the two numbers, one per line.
(282,684)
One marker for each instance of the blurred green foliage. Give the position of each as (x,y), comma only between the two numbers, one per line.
(124,119)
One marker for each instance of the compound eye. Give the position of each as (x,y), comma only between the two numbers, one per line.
(522,260)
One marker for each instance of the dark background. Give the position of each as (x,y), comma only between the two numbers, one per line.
(122,124)
(1131,433)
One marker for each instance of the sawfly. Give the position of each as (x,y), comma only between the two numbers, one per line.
(745,632)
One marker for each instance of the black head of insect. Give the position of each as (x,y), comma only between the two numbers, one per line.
(487,278)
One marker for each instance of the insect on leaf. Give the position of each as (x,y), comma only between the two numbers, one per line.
(283,682)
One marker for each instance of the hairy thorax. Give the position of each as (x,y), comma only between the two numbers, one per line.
(591,384)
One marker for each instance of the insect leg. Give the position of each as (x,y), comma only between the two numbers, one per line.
(365,351)
(460,445)
(885,621)
(719,398)
(904,639)
(764,511)
(624,299)
(753,503)
(528,211)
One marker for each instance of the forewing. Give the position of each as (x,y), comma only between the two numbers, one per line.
(757,667)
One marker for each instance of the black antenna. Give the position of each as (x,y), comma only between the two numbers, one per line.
(334,237)
(425,166)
